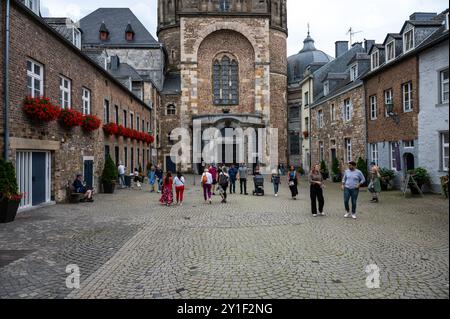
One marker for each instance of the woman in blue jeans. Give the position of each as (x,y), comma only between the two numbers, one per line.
(351,183)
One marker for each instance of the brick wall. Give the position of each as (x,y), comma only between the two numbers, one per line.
(58,58)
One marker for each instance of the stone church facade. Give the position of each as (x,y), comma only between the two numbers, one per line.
(227,68)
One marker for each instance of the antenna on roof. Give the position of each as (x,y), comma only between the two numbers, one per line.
(352,33)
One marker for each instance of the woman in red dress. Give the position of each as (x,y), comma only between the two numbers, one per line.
(167,193)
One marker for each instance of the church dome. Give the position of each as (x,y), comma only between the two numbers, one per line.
(298,63)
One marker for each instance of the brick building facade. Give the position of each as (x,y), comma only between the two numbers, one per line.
(249,37)
(47,156)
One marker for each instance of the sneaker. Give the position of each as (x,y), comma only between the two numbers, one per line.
(210,202)
(315,215)
(354,216)
(181,204)
(347,215)
(276,195)
(322,214)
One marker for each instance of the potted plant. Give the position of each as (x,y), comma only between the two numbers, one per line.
(387,176)
(40,109)
(421,177)
(109,176)
(9,194)
(90,123)
(324,170)
(362,166)
(336,170)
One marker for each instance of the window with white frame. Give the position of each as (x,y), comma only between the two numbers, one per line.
(320,119)
(375,59)
(333,113)
(408,144)
(348,150)
(348,110)
(373,107)
(408,41)
(326,88)
(306,101)
(444,86)
(321,151)
(407,97)
(390,51)
(445,151)
(76,35)
(374,153)
(64,92)
(171,109)
(393,152)
(33,5)
(353,72)
(35,79)
(388,99)
(86,101)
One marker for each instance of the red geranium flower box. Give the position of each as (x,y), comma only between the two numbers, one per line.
(111,129)
(91,123)
(70,118)
(40,109)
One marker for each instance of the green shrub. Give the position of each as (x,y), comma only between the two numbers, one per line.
(8,181)
(336,170)
(362,166)
(301,171)
(387,175)
(110,173)
(421,176)
(324,170)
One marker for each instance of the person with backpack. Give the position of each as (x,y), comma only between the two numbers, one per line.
(233,172)
(293,182)
(224,180)
(213,171)
(276,181)
(207,182)
(179,183)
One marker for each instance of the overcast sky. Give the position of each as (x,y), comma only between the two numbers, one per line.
(330,20)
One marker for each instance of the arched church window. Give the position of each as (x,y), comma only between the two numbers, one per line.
(226,81)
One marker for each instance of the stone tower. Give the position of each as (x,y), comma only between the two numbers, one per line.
(251,35)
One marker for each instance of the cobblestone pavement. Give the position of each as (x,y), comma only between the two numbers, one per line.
(128,246)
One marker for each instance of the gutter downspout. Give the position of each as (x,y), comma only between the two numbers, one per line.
(6,83)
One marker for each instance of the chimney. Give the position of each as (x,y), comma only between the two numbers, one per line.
(341,48)
(368,44)
(422,16)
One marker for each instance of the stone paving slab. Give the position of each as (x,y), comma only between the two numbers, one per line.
(128,246)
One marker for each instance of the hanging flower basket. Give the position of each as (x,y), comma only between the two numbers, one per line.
(70,118)
(41,109)
(91,123)
(111,129)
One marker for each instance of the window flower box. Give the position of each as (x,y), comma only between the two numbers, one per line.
(91,123)
(111,129)
(41,109)
(70,118)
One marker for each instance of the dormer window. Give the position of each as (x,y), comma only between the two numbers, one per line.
(326,88)
(104,33)
(129,33)
(408,41)
(375,60)
(353,72)
(76,36)
(33,5)
(390,51)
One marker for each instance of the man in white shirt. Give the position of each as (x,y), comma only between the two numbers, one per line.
(207,181)
(121,170)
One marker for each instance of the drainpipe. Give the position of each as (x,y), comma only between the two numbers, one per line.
(6,84)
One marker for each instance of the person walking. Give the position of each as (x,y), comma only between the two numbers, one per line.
(224,180)
(159,178)
(207,182)
(276,181)
(167,190)
(233,172)
(293,182)
(316,191)
(242,177)
(152,178)
(375,183)
(121,169)
(179,183)
(351,183)
(213,171)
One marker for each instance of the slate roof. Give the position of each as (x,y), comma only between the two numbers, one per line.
(172,84)
(438,36)
(116,21)
(63,26)
(125,71)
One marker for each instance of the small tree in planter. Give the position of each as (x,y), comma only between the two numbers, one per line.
(336,170)
(421,177)
(324,170)
(109,176)
(387,176)
(9,193)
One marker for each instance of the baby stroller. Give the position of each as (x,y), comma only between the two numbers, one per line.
(259,185)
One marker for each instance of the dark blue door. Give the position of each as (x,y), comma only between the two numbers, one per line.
(38,182)
(170,165)
(89,173)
